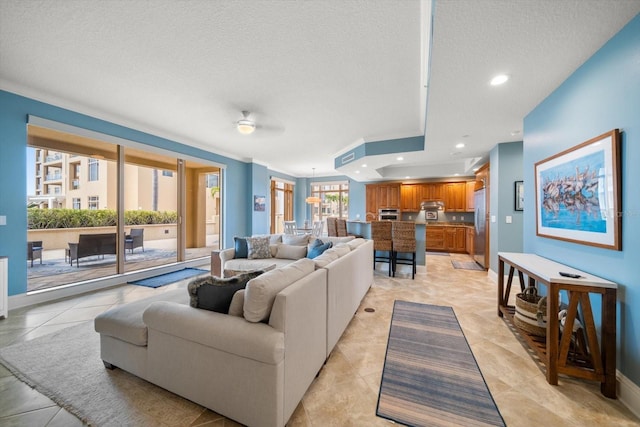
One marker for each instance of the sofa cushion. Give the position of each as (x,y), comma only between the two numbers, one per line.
(258,247)
(234,267)
(291,251)
(261,292)
(335,240)
(214,293)
(240,245)
(325,259)
(358,241)
(236,308)
(124,322)
(318,248)
(293,239)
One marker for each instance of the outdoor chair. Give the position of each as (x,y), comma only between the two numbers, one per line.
(34,250)
(135,239)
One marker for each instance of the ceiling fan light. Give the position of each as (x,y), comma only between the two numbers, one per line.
(245,127)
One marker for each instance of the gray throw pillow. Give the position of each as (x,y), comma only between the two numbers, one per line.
(214,293)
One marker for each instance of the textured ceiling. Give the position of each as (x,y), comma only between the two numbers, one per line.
(318,76)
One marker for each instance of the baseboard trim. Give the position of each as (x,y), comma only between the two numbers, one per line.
(493,276)
(628,393)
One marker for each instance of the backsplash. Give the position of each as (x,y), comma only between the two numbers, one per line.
(442,217)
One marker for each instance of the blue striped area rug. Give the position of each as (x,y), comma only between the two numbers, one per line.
(430,375)
(168,278)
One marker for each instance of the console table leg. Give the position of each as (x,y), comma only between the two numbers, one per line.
(552,334)
(608,387)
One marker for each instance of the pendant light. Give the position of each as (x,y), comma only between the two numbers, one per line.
(313,199)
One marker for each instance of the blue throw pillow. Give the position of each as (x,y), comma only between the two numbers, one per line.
(240,244)
(318,249)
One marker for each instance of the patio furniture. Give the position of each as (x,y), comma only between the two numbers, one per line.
(92,244)
(34,250)
(135,239)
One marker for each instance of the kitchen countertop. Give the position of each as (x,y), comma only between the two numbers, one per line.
(427,223)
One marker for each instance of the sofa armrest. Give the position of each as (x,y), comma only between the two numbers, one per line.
(230,334)
(226,255)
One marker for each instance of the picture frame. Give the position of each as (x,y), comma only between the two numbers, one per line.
(431,215)
(578,193)
(518,196)
(259,203)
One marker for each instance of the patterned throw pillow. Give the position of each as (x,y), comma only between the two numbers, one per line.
(258,247)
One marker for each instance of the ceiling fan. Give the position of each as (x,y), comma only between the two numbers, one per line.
(247,124)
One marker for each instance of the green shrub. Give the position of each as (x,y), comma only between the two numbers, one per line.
(38,219)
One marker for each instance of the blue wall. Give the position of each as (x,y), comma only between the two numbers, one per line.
(14,110)
(603,94)
(506,168)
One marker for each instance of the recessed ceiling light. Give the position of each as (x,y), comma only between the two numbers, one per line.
(407,177)
(456,174)
(499,79)
(399,158)
(475,169)
(460,145)
(357,171)
(364,165)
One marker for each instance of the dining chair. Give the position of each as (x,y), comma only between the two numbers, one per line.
(404,241)
(382,242)
(341,227)
(332,227)
(316,229)
(290,227)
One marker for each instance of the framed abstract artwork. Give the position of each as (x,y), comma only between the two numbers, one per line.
(578,193)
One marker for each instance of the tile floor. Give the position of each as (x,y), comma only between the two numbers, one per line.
(345,393)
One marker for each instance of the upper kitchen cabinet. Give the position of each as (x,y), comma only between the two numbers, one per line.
(388,196)
(381,196)
(455,197)
(471,186)
(432,191)
(410,197)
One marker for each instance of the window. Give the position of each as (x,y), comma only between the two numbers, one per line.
(76,203)
(212,180)
(335,200)
(93,203)
(93,170)
(167,173)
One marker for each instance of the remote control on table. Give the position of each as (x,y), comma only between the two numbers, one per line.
(573,276)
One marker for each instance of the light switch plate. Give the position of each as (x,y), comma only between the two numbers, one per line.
(493,218)
(509,219)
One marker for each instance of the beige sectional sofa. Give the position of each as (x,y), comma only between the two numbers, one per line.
(252,372)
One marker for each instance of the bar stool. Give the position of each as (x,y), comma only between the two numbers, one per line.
(381,236)
(404,241)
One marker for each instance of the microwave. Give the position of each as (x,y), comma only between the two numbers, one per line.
(388,214)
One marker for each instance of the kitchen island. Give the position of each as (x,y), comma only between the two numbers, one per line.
(363,228)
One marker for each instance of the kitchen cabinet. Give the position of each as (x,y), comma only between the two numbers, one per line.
(389,196)
(410,197)
(432,191)
(470,189)
(455,197)
(471,232)
(435,238)
(455,239)
(381,196)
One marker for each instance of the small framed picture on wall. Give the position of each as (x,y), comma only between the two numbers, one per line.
(519,195)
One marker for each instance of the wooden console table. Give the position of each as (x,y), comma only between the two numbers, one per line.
(599,364)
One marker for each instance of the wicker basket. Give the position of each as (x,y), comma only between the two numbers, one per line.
(531,312)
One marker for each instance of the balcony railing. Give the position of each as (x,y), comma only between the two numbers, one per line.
(53,177)
(75,184)
(53,158)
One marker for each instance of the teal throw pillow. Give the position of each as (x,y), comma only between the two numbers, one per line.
(240,244)
(317,248)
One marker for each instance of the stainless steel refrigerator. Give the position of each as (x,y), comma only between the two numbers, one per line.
(479,243)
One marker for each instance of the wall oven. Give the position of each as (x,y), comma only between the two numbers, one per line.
(388,214)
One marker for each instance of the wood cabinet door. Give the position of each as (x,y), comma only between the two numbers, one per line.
(470,188)
(454,197)
(409,201)
(433,191)
(450,239)
(435,238)
(470,240)
(392,196)
(371,194)
(460,244)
